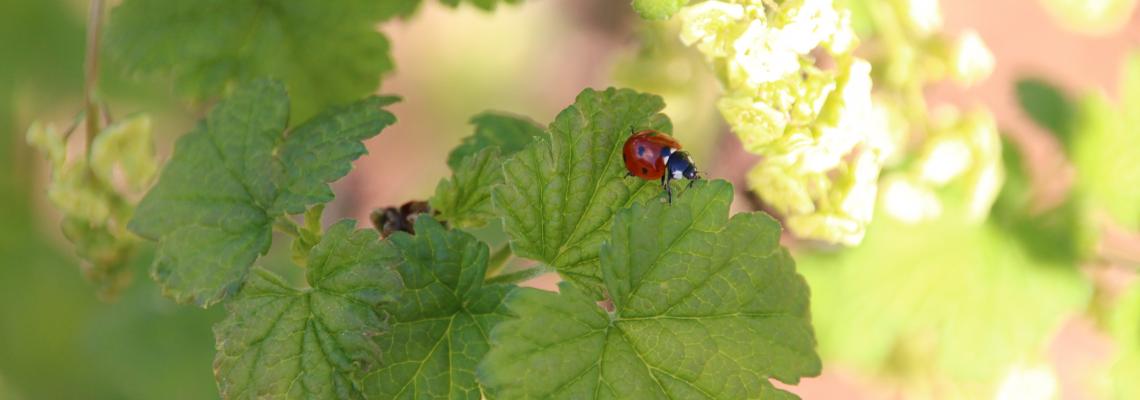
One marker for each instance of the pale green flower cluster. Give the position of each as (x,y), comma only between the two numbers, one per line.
(798,96)
(814,126)
(94,190)
(958,154)
(962,151)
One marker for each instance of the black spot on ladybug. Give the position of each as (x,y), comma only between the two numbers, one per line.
(640,150)
(644,170)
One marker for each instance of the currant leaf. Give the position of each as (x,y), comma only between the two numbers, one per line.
(1124,327)
(704,307)
(286,343)
(213,207)
(560,196)
(1105,149)
(925,297)
(440,323)
(1048,106)
(1058,234)
(658,10)
(509,133)
(326,52)
(464,200)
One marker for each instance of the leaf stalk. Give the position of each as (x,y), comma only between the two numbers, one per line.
(91,70)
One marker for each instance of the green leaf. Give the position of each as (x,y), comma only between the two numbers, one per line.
(322,149)
(658,9)
(1048,107)
(1106,147)
(560,196)
(464,201)
(441,320)
(1054,235)
(486,5)
(213,207)
(326,52)
(704,307)
(1124,327)
(509,133)
(945,301)
(282,342)
(398,8)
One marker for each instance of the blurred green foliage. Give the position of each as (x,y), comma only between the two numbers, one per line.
(658,9)
(1058,234)
(1125,329)
(56,340)
(464,201)
(1107,149)
(1099,136)
(326,52)
(939,299)
(1048,106)
(406,8)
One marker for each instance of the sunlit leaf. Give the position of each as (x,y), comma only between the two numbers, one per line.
(560,195)
(1125,329)
(509,133)
(704,307)
(658,9)
(1106,149)
(464,200)
(945,298)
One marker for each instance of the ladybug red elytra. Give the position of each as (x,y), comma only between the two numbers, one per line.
(650,155)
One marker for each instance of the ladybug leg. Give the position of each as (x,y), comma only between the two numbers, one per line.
(628,174)
(668,190)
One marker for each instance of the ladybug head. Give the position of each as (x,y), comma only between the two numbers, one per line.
(691,172)
(680,166)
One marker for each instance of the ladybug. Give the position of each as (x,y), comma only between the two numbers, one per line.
(650,155)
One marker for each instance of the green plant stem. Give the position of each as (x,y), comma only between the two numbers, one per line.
(288,226)
(91,70)
(498,260)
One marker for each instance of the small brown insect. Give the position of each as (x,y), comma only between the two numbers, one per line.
(389,220)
